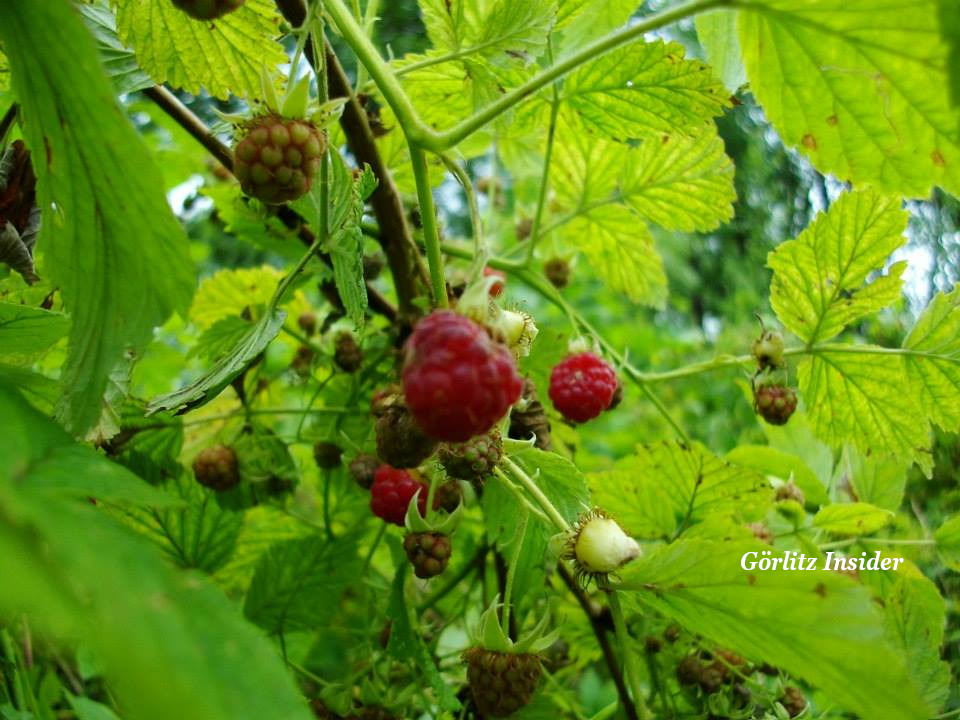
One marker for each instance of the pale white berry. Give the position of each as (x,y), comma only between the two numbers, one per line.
(603,547)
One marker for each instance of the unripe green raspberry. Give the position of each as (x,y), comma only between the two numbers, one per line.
(601,546)
(278,158)
(768,350)
(474,459)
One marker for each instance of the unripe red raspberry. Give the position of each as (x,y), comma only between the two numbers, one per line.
(689,670)
(496,289)
(302,361)
(557,271)
(400,441)
(582,386)
(473,460)
(216,468)
(278,158)
(346,352)
(789,491)
(391,494)
(326,454)
(524,228)
(448,496)
(372,266)
(362,469)
(428,552)
(457,381)
(307,322)
(207,9)
(775,403)
(501,683)
(793,701)
(528,419)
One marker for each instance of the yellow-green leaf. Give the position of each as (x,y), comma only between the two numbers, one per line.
(948,542)
(859,87)
(857,518)
(820,281)
(717,32)
(934,365)
(223,57)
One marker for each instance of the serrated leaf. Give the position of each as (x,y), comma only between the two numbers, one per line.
(644,88)
(641,507)
(406,644)
(915,619)
(816,624)
(786,466)
(820,281)
(948,542)
(297,581)
(230,292)
(223,57)
(717,33)
(221,337)
(580,21)
(690,481)
(26,332)
(559,479)
(950,32)
(107,274)
(857,398)
(118,60)
(874,480)
(199,535)
(934,365)
(223,372)
(679,182)
(852,519)
(861,88)
(42,392)
(83,576)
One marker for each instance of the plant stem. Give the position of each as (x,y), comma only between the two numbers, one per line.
(428,215)
(545,176)
(480,250)
(629,659)
(521,498)
(376,541)
(548,507)
(451,583)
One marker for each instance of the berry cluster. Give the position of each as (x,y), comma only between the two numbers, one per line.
(278,158)
(773,399)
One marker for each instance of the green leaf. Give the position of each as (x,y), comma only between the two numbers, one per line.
(406,644)
(118,60)
(222,57)
(851,519)
(26,332)
(642,88)
(950,32)
(915,619)
(87,709)
(41,391)
(82,576)
(874,480)
(297,581)
(689,482)
(580,21)
(220,338)
(230,292)
(558,478)
(948,542)
(117,284)
(784,465)
(857,397)
(199,534)
(862,89)
(820,279)
(816,624)
(934,369)
(223,372)
(717,32)
(679,182)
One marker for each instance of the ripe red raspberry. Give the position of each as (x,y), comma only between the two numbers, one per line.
(582,386)
(775,403)
(207,9)
(496,290)
(391,494)
(277,159)
(216,468)
(457,381)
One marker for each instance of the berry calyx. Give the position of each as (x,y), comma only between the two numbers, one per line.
(277,158)
(346,352)
(582,386)
(448,496)
(768,350)
(501,682)
(207,9)
(362,469)
(400,441)
(216,468)
(529,420)
(774,402)
(457,381)
(392,492)
(496,289)
(428,552)
(327,454)
(474,459)
(557,271)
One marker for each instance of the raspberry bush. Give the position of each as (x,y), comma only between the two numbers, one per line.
(269,269)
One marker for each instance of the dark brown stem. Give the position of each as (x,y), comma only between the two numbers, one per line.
(9,118)
(601,623)
(171,105)
(395,237)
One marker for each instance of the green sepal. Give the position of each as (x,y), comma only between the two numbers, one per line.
(416,523)
(491,636)
(268,90)
(328,113)
(297,100)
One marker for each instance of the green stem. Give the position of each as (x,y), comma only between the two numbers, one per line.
(548,507)
(545,176)
(630,669)
(512,572)
(480,249)
(277,411)
(521,498)
(376,542)
(451,583)
(428,216)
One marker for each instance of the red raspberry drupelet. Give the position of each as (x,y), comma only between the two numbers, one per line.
(582,386)
(391,494)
